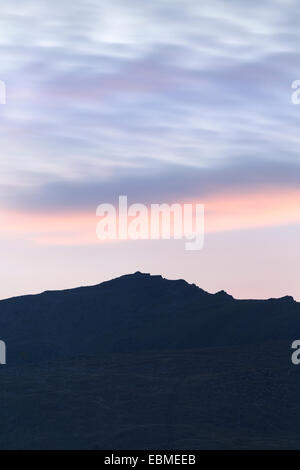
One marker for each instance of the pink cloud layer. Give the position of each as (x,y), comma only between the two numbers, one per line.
(275,207)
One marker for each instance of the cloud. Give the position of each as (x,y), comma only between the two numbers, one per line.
(268,207)
(153,183)
(152,99)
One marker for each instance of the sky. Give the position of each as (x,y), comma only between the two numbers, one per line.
(168,101)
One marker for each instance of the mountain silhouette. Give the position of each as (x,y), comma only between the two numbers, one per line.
(145,362)
(138,312)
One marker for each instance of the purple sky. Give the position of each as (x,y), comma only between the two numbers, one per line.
(163,101)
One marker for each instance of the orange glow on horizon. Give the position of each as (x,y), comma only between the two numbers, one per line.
(276,207)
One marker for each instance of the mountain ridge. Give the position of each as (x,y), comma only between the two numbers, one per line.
(141,362)
(139,312)
(152,276)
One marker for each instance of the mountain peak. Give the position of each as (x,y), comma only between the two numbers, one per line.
(286,298)
(223,294)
